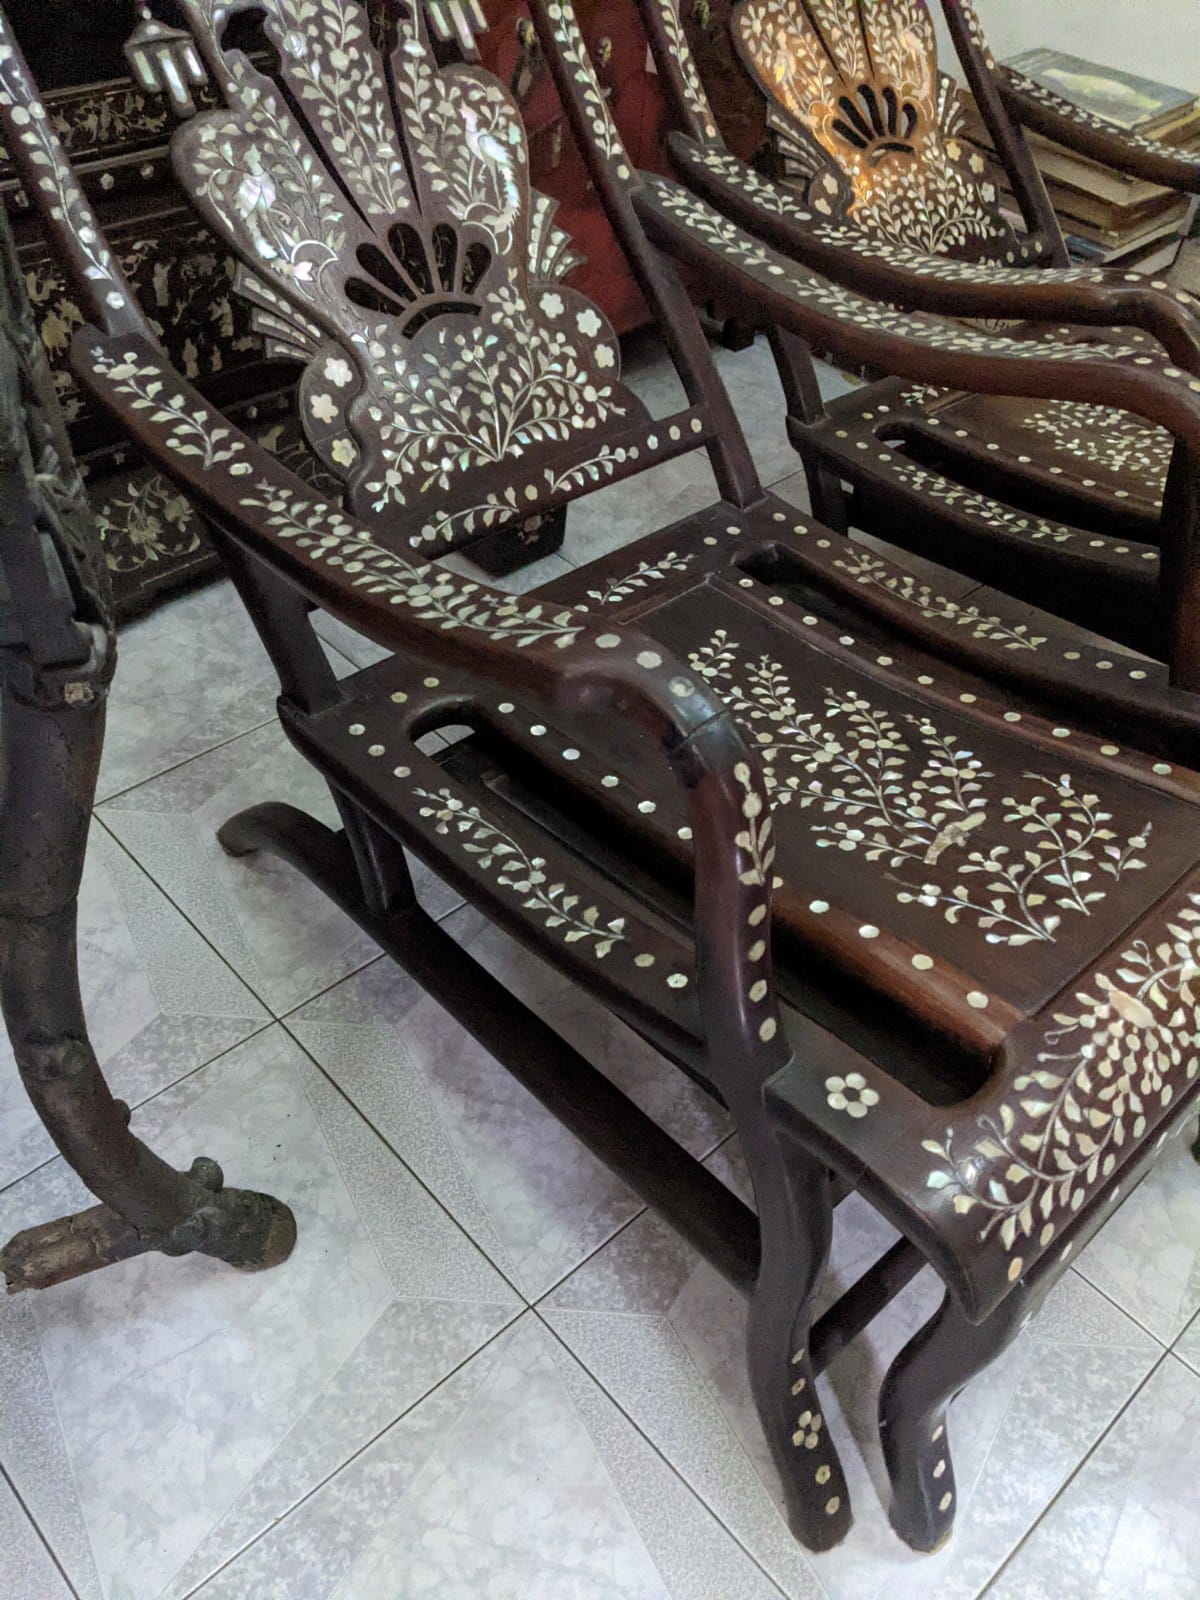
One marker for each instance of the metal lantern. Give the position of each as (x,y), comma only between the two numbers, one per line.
(165,61)
(457,20)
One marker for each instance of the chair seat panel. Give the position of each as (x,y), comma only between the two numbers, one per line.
(1094,453)
(987,641)
(963,859)
(991,846)
(1088,1091)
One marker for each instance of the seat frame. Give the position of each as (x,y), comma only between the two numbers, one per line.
(460,646)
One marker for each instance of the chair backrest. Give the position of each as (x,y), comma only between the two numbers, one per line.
(855,95)
(390,242)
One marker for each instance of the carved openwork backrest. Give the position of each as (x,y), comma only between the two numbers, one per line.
(855,85)
(390,241)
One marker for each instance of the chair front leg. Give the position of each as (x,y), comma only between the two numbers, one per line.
(795,1212)
(933,1367)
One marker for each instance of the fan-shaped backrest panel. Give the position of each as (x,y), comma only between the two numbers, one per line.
(390,241)
(858,86)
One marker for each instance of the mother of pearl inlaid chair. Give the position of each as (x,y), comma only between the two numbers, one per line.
(806,837)
(1067,501)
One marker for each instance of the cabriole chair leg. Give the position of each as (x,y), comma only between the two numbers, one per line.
(792,1191)
(936,1363)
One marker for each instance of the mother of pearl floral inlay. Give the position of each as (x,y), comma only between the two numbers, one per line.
(913,800)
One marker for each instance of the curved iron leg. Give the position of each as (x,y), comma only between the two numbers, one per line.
(936,1363)
(796,1223)
(50,759)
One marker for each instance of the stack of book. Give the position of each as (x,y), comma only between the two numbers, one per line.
(1106,215)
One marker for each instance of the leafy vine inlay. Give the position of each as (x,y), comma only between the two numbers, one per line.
(918,809)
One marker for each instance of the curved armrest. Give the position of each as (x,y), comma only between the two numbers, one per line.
(1049,114)
(916,281)
(536,650)
(780,291)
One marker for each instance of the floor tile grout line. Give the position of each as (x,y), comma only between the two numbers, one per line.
(174,766)
(138,1105)
(37,1528)
(1124,1310)
(1164,1355)
(277,1522)
(578,1414)
(666,1461)
(529,1304)
(643,1210)
(144,868)
(221,744)
(416,1176)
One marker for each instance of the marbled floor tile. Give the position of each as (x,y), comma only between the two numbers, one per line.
(279,932)
(1126,1527)
(1187,1346)
(159,1001)
(517,1479)
(189,676)
(27,1570)
(622,513)
(665,1337)
(524,1188)
(158,1415)
(1147,1255)
(356,647)
(519,582)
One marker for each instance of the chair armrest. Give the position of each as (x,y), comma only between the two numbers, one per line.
(1055,118)
(779,291)
(911,278)
(528,647)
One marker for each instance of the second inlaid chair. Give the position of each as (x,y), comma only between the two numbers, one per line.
(1066,502)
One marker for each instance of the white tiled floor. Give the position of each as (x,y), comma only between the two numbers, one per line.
(486,1373)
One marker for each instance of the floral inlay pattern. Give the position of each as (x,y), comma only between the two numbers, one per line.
(862,83)
(851,1094)
(423,278)
(150,521)
(497,852)
(614,590)
(689,77)
(1106,438)
(723,236)
(910,799)
(1119,1052)
(993,513)
(866,570)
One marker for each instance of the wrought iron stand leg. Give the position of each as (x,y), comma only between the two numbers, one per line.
(792,1191)
(50,760)
(936,1363)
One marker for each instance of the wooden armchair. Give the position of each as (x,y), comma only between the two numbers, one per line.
(801,832)
(1060,500)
